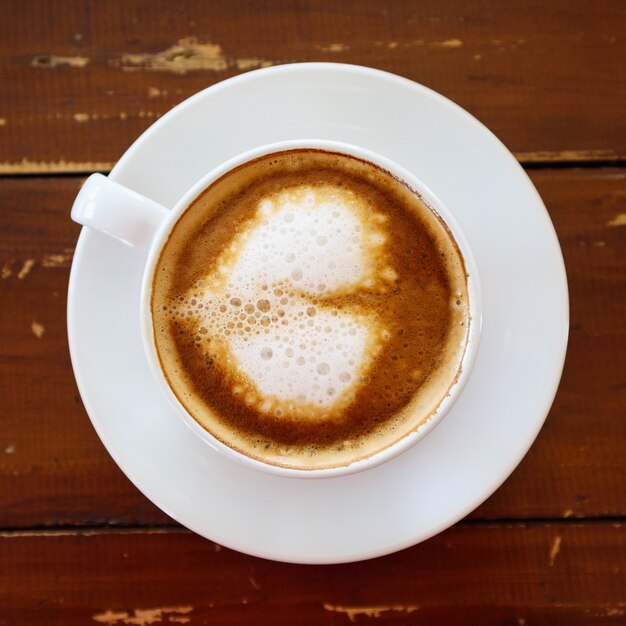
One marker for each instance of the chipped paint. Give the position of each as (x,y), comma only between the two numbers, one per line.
(618,220)
(26,267)
(26,166)
(478,57)
(94,117)
(370,611)
(63,259)
(10,449)
(155,92)
(566,155)
(59,259)
(144,617)
(53,61)
(448,43)
(568,513)
(554,550)
(109,617)
(38,329)
(187,55)
(6,269)
(251,64)
(334,47)
(254,583)
(3,121)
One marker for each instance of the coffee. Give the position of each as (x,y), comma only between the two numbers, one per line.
(310,309)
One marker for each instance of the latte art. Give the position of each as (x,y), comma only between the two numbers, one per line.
(309,309)
(271,311)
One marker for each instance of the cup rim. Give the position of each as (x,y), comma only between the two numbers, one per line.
(408,439)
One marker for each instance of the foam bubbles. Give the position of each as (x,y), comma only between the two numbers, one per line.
(329,221)
(303,363)
(270,310)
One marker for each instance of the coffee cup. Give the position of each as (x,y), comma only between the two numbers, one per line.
(309,308)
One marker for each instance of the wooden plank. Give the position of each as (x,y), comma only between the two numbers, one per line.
(78,86)
(53,469)
(577,465)
(561,574)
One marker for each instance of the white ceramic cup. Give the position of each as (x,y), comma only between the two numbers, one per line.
(145,225)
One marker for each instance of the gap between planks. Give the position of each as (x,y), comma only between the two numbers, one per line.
(528,160)
(61,531)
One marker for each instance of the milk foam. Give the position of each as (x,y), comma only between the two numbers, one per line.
(278,310)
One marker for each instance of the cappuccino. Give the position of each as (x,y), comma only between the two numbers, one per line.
(310,309)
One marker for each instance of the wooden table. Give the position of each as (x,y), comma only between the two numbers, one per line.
(79,81)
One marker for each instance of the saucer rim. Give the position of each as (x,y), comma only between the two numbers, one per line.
(487,489)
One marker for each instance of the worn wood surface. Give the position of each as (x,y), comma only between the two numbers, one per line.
(80,80)
(54,470)
(561,574)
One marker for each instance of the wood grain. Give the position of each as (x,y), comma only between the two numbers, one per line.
(576,466)
(79,82)
(54,470)
(538,574)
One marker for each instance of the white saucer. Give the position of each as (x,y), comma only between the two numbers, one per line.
(486,434)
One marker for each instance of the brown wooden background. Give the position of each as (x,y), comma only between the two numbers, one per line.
(79,81)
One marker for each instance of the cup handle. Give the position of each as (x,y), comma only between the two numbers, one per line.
(111,208)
